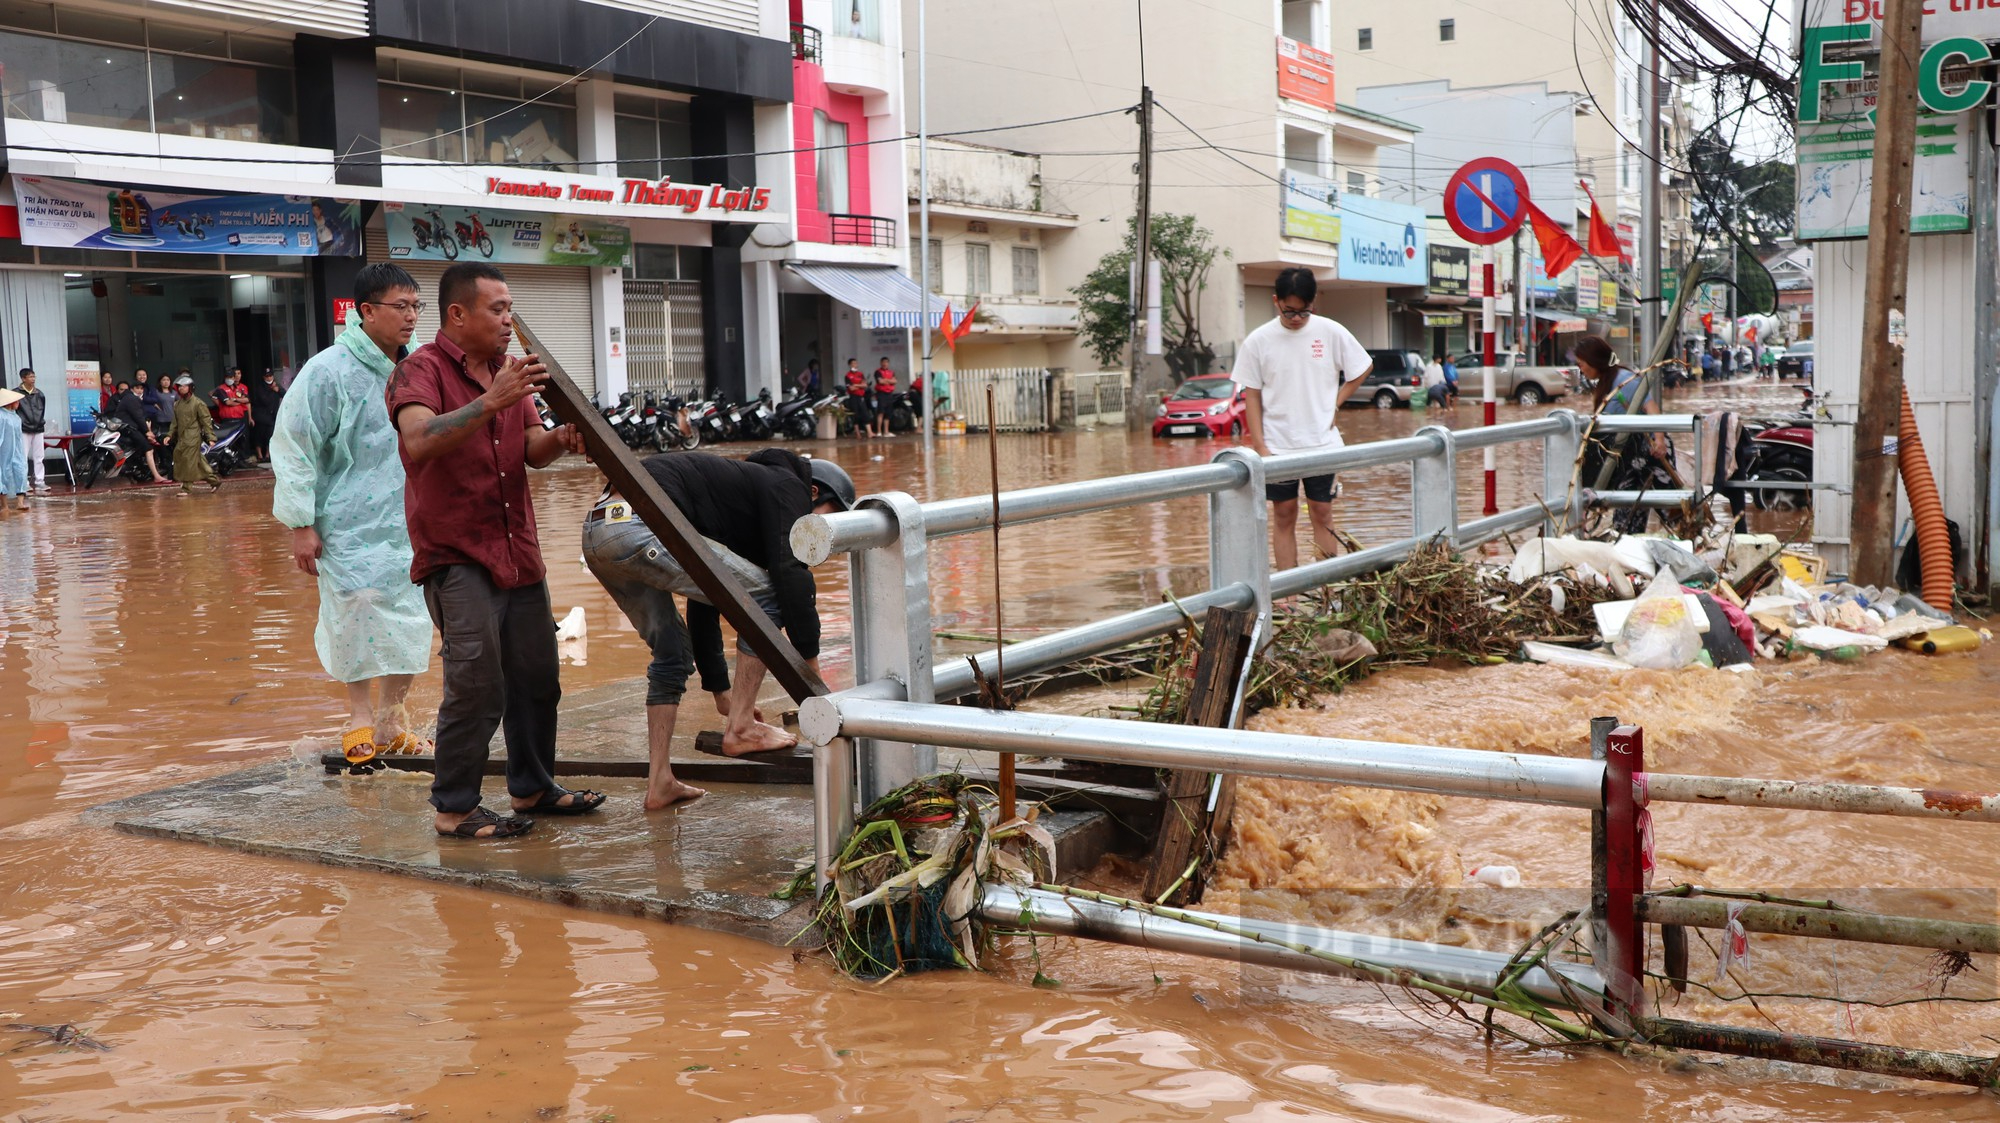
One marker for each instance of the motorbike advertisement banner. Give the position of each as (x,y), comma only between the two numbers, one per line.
(433,233)
(67,214)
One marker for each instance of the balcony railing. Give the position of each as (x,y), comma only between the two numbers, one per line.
(805,43)
(862,230)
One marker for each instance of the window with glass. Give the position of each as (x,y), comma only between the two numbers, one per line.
(1027,271)
(937,264)
(655,138)
(1364,39)
(1357,183)
(858,19)
(189,83)
(978,268)
(1447,30)
(440,113)
(830,137)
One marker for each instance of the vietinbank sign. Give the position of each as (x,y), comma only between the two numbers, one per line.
(1381,241)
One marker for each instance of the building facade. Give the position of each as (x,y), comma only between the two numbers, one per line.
(197,185)
(1248,139)
(1556,89)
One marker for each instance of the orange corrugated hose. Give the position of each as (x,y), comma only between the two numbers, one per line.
(1926,509)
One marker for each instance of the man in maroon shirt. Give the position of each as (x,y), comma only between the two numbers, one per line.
(469,432)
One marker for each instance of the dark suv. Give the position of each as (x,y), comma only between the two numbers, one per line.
(1396,373)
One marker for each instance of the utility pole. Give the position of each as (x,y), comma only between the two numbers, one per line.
(1523,330)
(924,244)
(1873,527)
(1650,289)
(1142,242)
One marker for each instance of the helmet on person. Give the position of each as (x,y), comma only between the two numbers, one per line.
(835,485)
(184,380)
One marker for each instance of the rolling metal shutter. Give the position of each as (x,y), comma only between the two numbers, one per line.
(554,299)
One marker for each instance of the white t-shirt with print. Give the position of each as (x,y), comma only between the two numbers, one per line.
(1300,374)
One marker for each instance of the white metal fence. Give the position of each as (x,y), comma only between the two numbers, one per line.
(1021,398)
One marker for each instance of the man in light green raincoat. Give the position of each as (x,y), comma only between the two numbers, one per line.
(340,489)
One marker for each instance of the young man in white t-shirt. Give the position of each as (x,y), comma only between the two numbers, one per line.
(1295,372)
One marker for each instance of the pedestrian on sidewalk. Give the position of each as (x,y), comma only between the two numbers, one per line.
(885,397)
(193,429)
(266,398)
(232,398)
(340,489)
(34,424)
(465,414)
(1434,390)
(1295,372)
(13,454)
(1450,380)
(860,400)
(745,510)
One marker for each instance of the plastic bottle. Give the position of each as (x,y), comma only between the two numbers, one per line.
(1940,641)
(1845,654)
(1499,877)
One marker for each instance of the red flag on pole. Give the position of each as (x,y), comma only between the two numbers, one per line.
(1559,250)
(1603,239)
(953,334)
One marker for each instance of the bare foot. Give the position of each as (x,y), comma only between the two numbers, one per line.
(760,738)
(670,792)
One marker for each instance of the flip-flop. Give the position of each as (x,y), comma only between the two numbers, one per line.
(358,745)
(586,801)
(480,819)
(409,744)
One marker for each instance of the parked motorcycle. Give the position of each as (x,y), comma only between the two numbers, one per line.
(1777,450)
(229,450)
(798,416)
(756,420)
(902,407)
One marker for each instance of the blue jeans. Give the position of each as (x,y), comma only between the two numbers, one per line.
(642,577)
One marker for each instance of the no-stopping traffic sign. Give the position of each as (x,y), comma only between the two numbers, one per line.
(1486,200)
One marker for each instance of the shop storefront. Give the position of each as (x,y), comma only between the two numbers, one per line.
(122,278)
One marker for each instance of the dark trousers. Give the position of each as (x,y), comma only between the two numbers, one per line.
(500,671)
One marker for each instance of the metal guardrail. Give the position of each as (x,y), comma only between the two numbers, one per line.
(862,230)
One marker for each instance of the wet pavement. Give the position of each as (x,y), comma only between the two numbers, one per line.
(148,641)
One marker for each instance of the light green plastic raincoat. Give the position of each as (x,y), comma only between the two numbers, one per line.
(339,472)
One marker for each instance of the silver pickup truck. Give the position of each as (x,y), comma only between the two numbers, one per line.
(1513,379)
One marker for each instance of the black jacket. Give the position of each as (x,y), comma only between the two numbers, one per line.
(264,402)
(130,409)
(749,506)
(34,411)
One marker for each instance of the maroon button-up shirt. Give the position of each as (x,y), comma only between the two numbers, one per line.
(469,506)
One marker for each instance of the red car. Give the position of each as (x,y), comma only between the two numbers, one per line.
(1207,406)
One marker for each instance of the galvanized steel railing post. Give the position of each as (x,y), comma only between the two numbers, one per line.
(892,637)
(1562,492)
(1239,532)
(1434,489)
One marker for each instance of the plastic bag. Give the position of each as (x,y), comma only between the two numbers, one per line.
(1659,634)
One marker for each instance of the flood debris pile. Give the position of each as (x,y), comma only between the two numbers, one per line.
(906,885)
(1434,606)
(1743,598)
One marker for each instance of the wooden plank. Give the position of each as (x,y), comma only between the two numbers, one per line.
(1184,839)
(721,771)
(637,487)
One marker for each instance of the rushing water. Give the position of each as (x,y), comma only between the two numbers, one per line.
(147,640)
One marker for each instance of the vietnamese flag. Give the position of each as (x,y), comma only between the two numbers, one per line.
(1559,250)
(1603,239)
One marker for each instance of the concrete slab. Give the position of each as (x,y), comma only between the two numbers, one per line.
(712,863)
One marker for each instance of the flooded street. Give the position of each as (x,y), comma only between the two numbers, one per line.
(147,640)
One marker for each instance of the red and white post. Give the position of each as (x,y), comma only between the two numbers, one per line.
(1492,357)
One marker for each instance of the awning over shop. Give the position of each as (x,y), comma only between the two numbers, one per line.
(884,297)
(1563,321)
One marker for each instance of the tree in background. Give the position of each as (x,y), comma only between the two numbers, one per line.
(1757,201)
(1186,250)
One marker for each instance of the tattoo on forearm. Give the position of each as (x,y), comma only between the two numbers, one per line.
(465,417)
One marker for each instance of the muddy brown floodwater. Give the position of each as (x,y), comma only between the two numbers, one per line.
(147,640)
